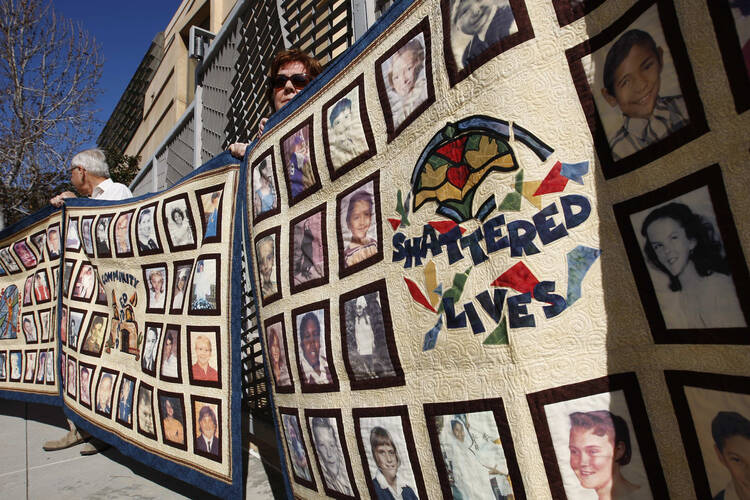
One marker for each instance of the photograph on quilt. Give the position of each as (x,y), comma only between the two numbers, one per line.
(84,382)
(123,245)
(93,341)
(101,236)
(45,326)
(359,224)
(172,410)
(125,401)
(182,272)
(50,367)
(67,275)
(41,287)
(731,20)
(313,342)
(714,415)
(28,326)
(308,250)
(178,219)
(28,295)
(265,187)
(155,278)
(268,259)
(296,450)
(104,391)
(28,259)
(9,261)
(150,347)
(86,236)
(16,365)
(300,168)
(145,411)
(31,365)
(170,355)
(203,356)
(569,10)
(10,306)
(147,233)
(204,294)
(53,241)
(207,434)
(72,240)
(325,429)
(278,354)
(39,241)
(210,202)
(41,362)
(70,379)
(3,365)
(85,283)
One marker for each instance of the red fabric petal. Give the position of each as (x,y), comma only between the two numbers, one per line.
(554,182)
(417,295)
(394,223)
(454,150)
(445,226)
(518,278)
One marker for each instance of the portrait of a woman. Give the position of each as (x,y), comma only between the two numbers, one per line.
(359,219)
(278,361)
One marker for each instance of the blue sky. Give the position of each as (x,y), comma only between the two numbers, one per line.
(124,30)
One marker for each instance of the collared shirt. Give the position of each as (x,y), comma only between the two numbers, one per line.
(110,190)
(324,377)
(669,115)
(398,491)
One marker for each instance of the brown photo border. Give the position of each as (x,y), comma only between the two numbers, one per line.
(358,82)
(525,33)
(378,257)
(392,132)
(197,330)
(95,314)
(51,311)
(36,327)
(731,53)
(178,328)
(42,271)
(279,318)
(306,388)
(274,211)
(111,217)
(131,253)
(628,384)
(293,200)
(567,12)
(180,396)
(92,396)
(494,405)
(133,395)
(206,312)
(188,215)
(10,365)
(334,413)
(40,258)
(710,177)
(294,412)
(389,411)
(78,275)
(5,266)
(55,225)
(160,328)
(44,368)
(199,193)
(50,352)
(147,285)
(84,312)
(91,234)
(390,339)
(324,239)
(64,242)
(155,213)
(196,426)
(275,231)
(137,400)
(185,296)
(102,372)
(697,125)
(66,391)
(35,352)
(66,284)
(676,382)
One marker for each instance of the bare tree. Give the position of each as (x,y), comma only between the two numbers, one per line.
(49,74)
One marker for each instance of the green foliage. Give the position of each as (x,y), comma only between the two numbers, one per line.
(122,168)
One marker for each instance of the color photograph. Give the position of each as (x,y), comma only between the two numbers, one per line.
(309,250)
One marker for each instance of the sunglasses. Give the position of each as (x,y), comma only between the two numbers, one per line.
(299,80)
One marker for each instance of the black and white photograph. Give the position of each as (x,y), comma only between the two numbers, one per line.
(85,379)
(147,232)
(312,341)
(204,290)
(155,279)
(29,329)
(296,449)
(268,261)
(72,238)
(331,453)
(347,134)
(298,158)
(182,272)
(637,89)
(687,261)
(210,206)
(265,187)
(3,365)
(123,243)
(28,291)
(172,412)
(105,387)
(67,275)
(71,385)
(53,241)
(404,79)
(369,349)
(145,411)
(713,412)
(278,354)
(41,364)
(177,217)
(50,367)
(15,365)
(150,347)
(473,450)
(170,355)
(45,325)
(39,241)
(93,341)
(125,397)
(101,236)
(75,318)
(85,283)
(386,446)
(359,226)
(9,261)
(308,250)
(478,30)
(86,235)
(607,415)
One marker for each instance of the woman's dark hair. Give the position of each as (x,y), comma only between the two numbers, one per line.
(603,422)
(707,256)
(178,211)
(312,68)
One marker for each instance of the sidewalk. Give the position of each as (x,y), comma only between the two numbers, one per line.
(27,471)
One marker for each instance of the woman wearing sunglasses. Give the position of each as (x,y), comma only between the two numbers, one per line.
(291,71)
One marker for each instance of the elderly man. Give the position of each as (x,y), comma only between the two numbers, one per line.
(291,71)
(89,174)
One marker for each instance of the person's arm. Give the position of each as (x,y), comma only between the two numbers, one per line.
(238,148)
(57,201)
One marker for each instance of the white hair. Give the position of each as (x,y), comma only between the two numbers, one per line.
(92,161)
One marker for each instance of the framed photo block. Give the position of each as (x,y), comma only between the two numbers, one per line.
(570,10)
(713,412)
(53,241)
(403,76)
(359,226)
(157,286)
(473,449)
(278,354)
(105,388)
(367,340)
(172,411)
(204,356)
(147,232)
(267,257)
(151,347)
(85,381)
(386,447)
(25,255)
(101,236)
(42,291)
(123,243)
(312,343)
(608,414)
(3,366)
(298,157)
(688,264)
(326,431)
(72,237)
(86,235)
(180,285)
(177,218)
(732,24)
(171,354)
(76,317)
(637,89)
(347,134)
(265,187)
(308,249)
(93,341)
(10,263)
(85,283)
(207,436)
(475,32)
(125,399)
(71,377)
(205,291)
(15,365)
(31,369)
(210,206)
(145,410)
(51,367)
(296,450)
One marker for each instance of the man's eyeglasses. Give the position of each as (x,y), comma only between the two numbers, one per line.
(299,80)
